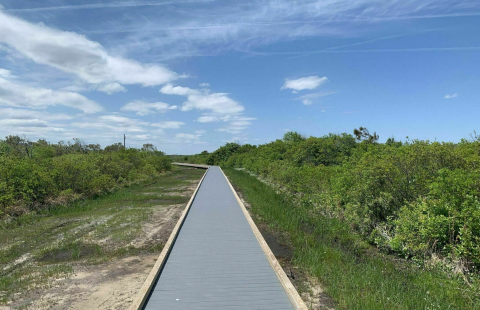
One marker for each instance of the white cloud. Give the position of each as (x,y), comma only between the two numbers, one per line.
(29,114)
(33,97)
(169,89)
(309,82)
(218,103)
(208,119)
(23,123)
(186,136)
(6,73)
(111,88)
(74,53)
(91,6)
(200,131)
(113,124)
(31,123)
(120,120)
(144,108)
(207,30)
(204,84)
(29,127)
(168,125)
(237,124)
(451,96)
(311,98)
(75,88)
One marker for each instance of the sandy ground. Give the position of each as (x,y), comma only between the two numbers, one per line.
(107,286)
(111,285)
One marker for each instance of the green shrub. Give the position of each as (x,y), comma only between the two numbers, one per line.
(414,197)
(38,174)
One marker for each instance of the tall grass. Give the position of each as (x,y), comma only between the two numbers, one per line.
(355,274)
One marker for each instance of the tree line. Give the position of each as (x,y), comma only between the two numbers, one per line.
(414,198)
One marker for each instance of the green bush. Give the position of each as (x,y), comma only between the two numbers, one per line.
(38,174)
(415,197)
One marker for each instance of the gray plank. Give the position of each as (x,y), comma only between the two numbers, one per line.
(216,261)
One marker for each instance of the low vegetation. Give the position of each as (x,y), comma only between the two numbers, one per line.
(39,175)
(355,274)
(418,200)
(39,247)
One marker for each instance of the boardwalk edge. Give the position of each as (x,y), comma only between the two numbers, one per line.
(292,293)
(142,296)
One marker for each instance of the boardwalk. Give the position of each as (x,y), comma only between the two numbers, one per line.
(216,261)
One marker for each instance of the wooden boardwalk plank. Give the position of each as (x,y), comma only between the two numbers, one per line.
(216,261)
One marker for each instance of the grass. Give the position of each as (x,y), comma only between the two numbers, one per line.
(355,274)
(37,248)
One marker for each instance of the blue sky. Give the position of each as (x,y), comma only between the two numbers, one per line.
(190,75)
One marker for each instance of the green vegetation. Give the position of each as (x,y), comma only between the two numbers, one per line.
(37,248)
(416,199)
(39,175)
(355,274)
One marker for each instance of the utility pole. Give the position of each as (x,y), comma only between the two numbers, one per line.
(124,138)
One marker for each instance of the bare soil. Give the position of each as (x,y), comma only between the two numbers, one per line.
(111,285)
(103,281)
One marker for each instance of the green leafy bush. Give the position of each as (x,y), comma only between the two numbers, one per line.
(34,175)
(415,197)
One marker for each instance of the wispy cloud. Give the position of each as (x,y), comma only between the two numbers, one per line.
(379,50)
(127,4)
(145,108)
(19,95)
(204,100)
(447,96)
(311,98)
(309,82)
(6,73)
(168,125)
(32,114)
(111,88)
(75,54)
(236,124)
(247,25)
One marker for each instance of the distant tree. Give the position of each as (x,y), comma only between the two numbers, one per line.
(293,136)
(116,147)
(362,134)
(42,142)
(148,147)
(94,148)
(79,146)
(204,153)
(392,142)
(474,137)
(19,146)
